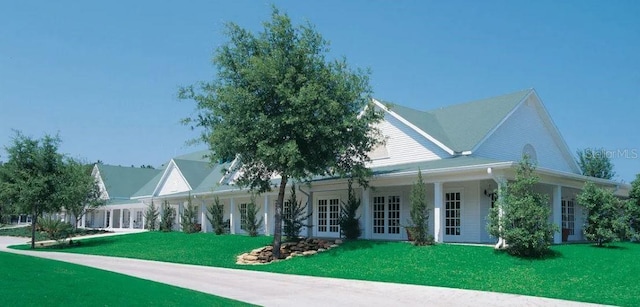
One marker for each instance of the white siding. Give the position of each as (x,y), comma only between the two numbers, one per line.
(405,145)
(173,182)
(525,126)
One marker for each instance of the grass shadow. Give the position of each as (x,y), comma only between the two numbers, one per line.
(608,246)
(548,255)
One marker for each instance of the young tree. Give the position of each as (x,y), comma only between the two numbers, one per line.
(524,222)
(595,163)
(189,218)
(419,228)
(252,224)
(606,219)
(31,179)
(151,217)
(349,220)
(633,208)
(282,108)
(168,216)
(216,216)
(80,192)
(294,216)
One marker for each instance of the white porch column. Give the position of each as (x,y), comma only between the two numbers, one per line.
(310,209)
(266,215)
(111,218)
(366,215)
(121,218)
(105,219)
(232,208)
(180,211)
(203,216)
(438,217)
(131,215)
(84,220)
(557,213)
(144,217)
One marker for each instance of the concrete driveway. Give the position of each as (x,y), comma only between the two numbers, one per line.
(272,289)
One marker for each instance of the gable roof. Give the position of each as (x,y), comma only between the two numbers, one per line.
(462,127)
(123,182)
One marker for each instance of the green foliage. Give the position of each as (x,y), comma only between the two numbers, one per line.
(57,283)
(595,163)
(80,191)
(524,220)
(168,216)
(419,228)
(151,217)
(252,224)
(606,219)
(283,108)
(31,178)
(633,209)
(55,228)
(349,221)
(189,218)
(295,216)
(216,216)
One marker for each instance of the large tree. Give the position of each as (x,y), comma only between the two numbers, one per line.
(282,108)
(595,163)
(633,208)
(522,215)
(81,192)
(31,177)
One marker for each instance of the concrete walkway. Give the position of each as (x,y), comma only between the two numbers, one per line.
(272,289)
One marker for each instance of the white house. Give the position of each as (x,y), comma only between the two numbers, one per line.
(464,151)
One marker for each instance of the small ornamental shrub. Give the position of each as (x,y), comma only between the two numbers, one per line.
(168,217)
(419,228)
(151,217)
(216,216)
(606,220)
(349,221)
(294,216)
(54,228)
(252,224)
(189,217)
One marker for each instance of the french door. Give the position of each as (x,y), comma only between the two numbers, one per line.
(386,216)
(328,217)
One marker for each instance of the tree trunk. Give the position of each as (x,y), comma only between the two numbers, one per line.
(277,218)
(34,221)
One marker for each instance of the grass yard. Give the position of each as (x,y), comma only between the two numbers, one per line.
(577,272)
(31,281)
(41,236)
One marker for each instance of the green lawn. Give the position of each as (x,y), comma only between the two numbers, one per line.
(577,272)
(31,281)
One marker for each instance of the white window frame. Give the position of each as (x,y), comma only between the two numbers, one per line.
(569,216)
(450,216)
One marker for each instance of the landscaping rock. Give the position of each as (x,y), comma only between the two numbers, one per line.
(288,250)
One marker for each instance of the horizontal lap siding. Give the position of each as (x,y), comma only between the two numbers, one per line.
(525,126)
(405,145)
(173,183)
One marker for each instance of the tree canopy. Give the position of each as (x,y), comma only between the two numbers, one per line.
(31,177)
(81,191)
(595,163)
(283,108)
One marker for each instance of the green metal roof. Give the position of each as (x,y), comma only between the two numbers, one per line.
(453,162)
(150,186)
(463,126)
(123,182)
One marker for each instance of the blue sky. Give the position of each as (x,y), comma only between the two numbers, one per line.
(104,74)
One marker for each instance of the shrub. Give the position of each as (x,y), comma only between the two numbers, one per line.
(419,228)
(252,223)
(349,221)
(151,217)
(524,221)
(633,209)
(55,229)
(294,216)
(606,220)
(189,217)
(168,217)
(216,216)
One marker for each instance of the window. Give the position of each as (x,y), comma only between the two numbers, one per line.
(334,215)
(322,215)
(452,214)
(568,216)
(243,216)
(386,214)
